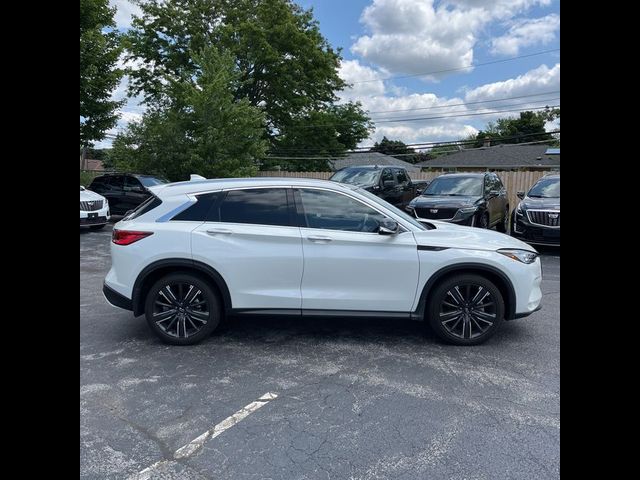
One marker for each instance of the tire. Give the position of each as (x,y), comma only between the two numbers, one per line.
(483,221)
(192,324)
(451,313)
(97,227)
(503,226)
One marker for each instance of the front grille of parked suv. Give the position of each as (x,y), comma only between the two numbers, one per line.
(91,205)
(437,214)
(546,218)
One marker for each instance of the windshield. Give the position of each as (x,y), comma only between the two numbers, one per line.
(455,186)
(546,188)
(356,176)
(151,181)
(397,211)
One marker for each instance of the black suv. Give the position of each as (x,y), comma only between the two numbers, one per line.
(475,199)
(536,219)
(392,184)
(125,191)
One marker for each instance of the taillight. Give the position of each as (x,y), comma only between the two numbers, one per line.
(127,237)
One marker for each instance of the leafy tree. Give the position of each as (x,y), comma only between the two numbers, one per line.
(203,128)
(99,51)
(529,127)
(391,147)
(286,67)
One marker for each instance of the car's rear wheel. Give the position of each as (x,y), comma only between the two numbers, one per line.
(182,309)
(503,226)
(465,309)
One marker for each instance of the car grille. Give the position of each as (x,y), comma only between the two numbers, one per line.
(546,218)
(91,206)
(440,214)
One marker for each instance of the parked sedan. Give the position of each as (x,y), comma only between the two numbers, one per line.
(474,199)
(125,191)
(94,209)
(536,219)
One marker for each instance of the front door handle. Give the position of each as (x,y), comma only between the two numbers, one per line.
(319,238)
(219,231)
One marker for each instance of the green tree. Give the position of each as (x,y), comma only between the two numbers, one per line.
(528,127)
(202,129)
(286,67)
(99,51)
(391,147)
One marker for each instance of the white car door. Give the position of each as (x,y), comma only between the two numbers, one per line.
(251,242)
(347,264)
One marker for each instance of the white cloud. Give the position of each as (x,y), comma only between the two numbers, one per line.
(525,33)
(538,80)
(368,83)
(124,10)
(414,36)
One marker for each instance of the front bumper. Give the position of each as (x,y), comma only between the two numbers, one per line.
(523,229)
(97,217)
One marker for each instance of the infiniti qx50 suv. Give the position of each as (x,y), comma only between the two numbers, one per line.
(201,250)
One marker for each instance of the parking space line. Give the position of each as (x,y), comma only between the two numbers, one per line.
(194,445)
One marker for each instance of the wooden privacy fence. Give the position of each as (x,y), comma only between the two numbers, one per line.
(513,181)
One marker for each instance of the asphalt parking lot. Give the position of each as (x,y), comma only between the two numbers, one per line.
(352,399)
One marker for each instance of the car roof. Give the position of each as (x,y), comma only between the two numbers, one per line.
(196,186)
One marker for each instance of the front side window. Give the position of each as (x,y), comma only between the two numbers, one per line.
(262,206)
(402,176)
(334,211)
(387,176)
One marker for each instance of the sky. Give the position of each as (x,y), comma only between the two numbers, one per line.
(430,70)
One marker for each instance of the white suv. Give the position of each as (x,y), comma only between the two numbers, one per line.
(94,209)
(198,251)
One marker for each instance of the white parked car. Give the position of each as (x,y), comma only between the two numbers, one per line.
(94,209)
(199,250)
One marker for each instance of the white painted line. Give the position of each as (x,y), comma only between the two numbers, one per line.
(191,447)
(194,445)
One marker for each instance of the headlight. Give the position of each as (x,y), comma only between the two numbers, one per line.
(467,209)
(523,256)
(519,209)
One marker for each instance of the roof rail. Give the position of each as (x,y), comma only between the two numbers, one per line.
(195,176)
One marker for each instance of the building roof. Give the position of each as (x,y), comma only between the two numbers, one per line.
(500,156)
(372,158)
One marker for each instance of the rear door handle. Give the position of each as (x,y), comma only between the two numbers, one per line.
(319,238)
(219,231)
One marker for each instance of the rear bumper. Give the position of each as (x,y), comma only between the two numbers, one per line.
(526,314)
(115,299)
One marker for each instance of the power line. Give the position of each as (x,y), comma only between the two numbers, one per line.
(466,103)
(459,68)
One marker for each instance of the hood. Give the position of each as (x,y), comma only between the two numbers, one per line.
(457,236)
(444,201)
(88,195)
(542,203)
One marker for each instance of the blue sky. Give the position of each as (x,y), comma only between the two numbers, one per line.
(392,38)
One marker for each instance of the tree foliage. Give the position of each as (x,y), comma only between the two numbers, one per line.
(99,51)
(285,67)
(528,127)
(204,129)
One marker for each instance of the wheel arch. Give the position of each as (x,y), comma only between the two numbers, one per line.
(498,277)
(158,269)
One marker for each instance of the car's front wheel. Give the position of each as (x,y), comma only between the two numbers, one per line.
(182,309)
(465,309)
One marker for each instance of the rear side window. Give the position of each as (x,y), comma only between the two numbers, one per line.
(146,206)
(199,211)
(262,206)
(402,176)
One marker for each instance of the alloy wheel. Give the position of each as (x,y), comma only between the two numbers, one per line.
(467,311)
(180,309)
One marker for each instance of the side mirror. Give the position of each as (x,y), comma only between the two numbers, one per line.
(520,195)
(388,227)
(388,183)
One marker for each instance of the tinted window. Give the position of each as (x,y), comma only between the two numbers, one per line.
(116,182)
(498,182)
(146,206)
(387,175)
(264,206)
(199,211)
(131,182)
(334,211)
(402,176)
(99,183)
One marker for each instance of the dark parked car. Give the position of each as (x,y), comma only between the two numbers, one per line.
(125,191)
(536,219)
(392,184)
(474,199)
